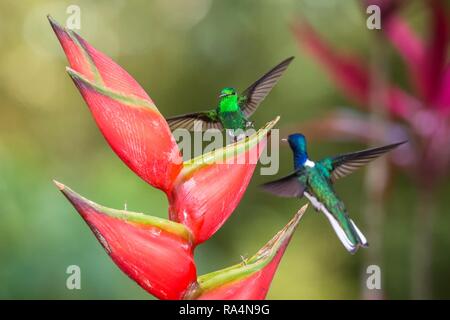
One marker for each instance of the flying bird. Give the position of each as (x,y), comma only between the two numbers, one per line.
(233,109)
(315,181)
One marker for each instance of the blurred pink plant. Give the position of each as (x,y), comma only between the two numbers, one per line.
(423,115)
(420,115)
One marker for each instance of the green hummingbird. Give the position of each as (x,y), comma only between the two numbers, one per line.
(315,181)
(233,109)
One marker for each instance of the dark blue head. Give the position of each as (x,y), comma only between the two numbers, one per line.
(297,142)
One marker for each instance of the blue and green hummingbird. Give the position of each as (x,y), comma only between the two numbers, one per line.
(233,109)
(315,181)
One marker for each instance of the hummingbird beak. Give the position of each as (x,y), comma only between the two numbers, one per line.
(223,95)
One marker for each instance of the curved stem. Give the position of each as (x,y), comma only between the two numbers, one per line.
(374,213)
(421,258)
(377,173)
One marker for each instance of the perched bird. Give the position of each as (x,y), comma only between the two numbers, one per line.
(233,109)
(315,181)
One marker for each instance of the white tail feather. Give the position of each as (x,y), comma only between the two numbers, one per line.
(360,234)
(340,232)
(334,223)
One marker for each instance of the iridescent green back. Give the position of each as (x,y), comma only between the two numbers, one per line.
(320,186)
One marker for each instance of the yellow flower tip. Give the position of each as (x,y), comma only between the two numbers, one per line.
(59,185)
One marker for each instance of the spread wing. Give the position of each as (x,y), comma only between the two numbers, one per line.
(195,121)
(288,187)
(255,94)
(344,164)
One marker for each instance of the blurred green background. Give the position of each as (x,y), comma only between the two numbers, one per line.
(182,52)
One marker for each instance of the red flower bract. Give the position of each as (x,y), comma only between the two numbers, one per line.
(210,186)
(125,114)
(156,253)
(251,279)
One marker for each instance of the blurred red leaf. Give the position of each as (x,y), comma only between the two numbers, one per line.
(425,61)
(443,96)
(347,72)
(408,45)
(436,54)
(350,75)
(425,112)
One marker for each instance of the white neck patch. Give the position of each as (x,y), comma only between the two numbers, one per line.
(309,163)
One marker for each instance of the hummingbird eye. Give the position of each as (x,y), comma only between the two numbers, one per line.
(227,92)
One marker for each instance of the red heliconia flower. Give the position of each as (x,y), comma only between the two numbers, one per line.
(154,252)
(202,195)
(202,192)
(125,114)
(158,254)
(251,279)
(210,187)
